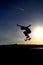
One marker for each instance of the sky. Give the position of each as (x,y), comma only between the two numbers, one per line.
(23,12)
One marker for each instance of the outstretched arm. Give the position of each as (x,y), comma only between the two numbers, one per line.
(29,25)
(22,27)
(18,25)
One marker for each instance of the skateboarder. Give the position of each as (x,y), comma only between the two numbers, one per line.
(27,31)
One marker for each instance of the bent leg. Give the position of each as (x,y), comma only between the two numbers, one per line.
(26,34)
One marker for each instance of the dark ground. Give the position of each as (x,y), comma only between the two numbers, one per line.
(20,46)
(24,50)
(21,52)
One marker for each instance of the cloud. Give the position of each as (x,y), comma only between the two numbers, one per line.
(21,9)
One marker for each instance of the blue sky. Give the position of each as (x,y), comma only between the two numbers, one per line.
(23,12)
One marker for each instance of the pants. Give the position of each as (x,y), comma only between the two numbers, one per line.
(26,33)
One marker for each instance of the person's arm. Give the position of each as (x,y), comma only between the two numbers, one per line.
(22,27)
(18,25)
(29,25)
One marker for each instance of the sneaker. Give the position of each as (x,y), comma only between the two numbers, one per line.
(27,37)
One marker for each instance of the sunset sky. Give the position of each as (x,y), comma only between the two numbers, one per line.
(23,12)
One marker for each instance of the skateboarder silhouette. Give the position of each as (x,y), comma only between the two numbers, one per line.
(26,32)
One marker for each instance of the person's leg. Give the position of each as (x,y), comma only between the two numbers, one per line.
(26,34)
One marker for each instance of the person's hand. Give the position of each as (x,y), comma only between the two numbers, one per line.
(30,25)
(17,24)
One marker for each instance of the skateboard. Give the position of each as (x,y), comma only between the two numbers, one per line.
(27,39)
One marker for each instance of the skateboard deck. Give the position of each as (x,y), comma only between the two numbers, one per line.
(27,39)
